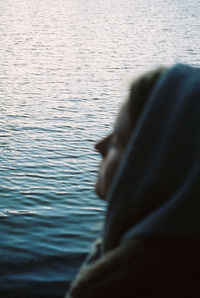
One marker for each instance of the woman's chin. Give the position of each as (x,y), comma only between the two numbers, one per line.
(99,192)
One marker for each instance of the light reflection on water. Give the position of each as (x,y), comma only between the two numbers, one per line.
(64,71)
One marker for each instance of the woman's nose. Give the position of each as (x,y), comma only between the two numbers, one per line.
(102,146)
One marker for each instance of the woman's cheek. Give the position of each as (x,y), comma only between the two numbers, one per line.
(109,169)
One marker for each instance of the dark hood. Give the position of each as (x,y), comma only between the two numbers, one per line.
(156,192)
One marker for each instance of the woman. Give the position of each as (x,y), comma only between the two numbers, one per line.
(150,177)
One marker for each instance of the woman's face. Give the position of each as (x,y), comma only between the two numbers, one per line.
(111,149)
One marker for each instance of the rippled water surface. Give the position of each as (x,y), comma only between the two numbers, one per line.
(64,69)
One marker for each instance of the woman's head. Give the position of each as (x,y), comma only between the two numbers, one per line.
(156,190)
(112,147)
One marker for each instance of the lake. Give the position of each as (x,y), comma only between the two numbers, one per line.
(65,67)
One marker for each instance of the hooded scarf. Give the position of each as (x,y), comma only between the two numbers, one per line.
(156,191)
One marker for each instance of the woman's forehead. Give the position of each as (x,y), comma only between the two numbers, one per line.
(122,122)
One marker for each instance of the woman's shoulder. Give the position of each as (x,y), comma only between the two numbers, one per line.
(142,268)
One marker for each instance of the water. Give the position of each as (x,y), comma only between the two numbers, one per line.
(64,69)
